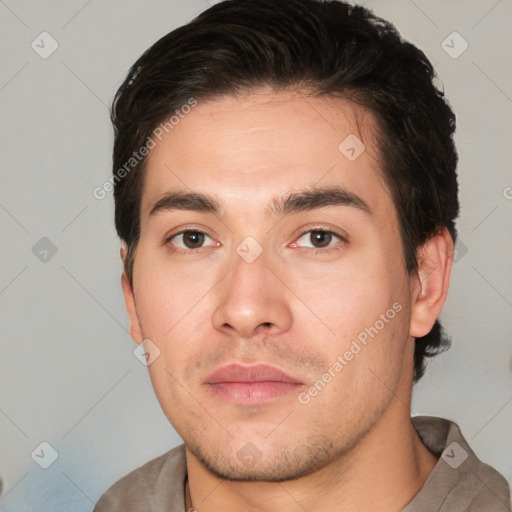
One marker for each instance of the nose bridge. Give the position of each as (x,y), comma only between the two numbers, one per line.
(251,295)
(249,278)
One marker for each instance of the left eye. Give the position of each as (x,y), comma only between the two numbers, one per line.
(189,239)
(319,239)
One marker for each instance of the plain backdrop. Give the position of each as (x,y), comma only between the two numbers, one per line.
(68,374)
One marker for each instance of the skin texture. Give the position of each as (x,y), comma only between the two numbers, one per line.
(296,307)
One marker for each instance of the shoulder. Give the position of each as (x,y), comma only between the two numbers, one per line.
(460,480)
(155,486)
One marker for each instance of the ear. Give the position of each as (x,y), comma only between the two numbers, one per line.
(430,285)
(129,299)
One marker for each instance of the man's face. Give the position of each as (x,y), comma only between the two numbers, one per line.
(314,287)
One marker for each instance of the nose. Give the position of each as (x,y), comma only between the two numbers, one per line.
(251,300)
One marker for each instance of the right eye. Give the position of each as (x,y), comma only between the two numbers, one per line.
(189,239)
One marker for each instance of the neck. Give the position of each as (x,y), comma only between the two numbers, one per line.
(389,465)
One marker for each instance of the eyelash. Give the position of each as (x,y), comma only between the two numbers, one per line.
(316,250)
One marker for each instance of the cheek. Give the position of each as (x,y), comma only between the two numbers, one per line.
(365,365)
(366,311)
(175,314)
(350,297)
(166,297)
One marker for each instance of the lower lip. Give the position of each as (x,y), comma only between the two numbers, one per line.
(252,393)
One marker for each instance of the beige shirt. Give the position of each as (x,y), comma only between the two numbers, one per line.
(460,482)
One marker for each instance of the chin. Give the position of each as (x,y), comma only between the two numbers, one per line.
(270,464)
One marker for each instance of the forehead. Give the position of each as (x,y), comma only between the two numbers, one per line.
(247,150)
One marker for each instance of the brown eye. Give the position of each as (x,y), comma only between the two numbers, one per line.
(189,240)
(193,239)
(320,238)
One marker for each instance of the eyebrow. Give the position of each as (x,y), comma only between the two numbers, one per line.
(294,202)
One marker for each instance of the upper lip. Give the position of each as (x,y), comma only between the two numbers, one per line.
(253,373)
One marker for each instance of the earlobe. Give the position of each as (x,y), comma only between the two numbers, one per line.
(431,282)
(129,299)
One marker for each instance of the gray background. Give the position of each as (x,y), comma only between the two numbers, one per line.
(68,373)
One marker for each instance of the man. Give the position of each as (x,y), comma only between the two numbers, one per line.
(286,194)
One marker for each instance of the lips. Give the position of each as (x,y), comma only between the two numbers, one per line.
(256,373)
(250,385)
